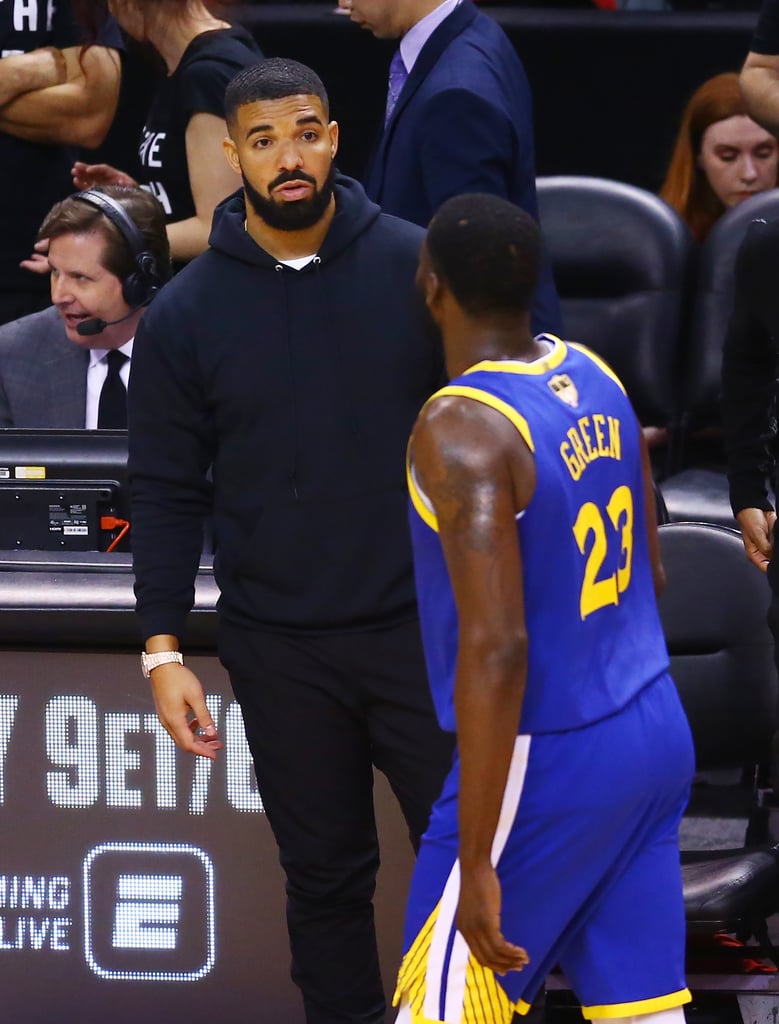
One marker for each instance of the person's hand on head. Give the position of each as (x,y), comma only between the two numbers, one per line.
(88,175)
(38,262)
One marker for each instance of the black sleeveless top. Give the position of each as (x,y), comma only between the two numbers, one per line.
(197,86)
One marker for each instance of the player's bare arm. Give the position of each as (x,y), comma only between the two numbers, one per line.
(478,473)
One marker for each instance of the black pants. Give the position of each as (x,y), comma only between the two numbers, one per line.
(773,581)
(319,712)
(761,830)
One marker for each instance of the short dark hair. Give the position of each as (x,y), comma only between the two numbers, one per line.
(273,79)
(72,216)
(487,251)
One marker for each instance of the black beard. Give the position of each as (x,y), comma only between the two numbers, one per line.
(296,216)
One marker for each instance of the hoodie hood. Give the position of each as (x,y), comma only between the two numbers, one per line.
(354,214)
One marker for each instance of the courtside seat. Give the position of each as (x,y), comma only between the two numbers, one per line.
(698,495)
(620,258)
(713,611)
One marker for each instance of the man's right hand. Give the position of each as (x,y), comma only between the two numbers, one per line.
(38,261)
(757,532)
(88,175)
(181,708)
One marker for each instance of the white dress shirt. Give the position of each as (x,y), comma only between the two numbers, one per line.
(412,42)
(96,375)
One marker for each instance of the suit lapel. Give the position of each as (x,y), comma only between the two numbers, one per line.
(64,368)
(68,384)
(451,27)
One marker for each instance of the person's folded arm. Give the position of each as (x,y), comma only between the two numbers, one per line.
(77,112)
(26,72)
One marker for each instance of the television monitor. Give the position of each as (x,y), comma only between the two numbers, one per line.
(63,490)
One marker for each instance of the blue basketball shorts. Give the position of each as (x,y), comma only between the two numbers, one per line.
(587,854)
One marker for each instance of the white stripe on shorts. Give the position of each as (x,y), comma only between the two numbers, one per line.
(458,963)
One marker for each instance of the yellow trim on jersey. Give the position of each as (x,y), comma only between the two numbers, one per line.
(611,1010)
(523,1008)
(599,362)
(463,391)
(537,367)
(418,502)
(511,414)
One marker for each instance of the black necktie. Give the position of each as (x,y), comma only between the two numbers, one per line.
(112,407)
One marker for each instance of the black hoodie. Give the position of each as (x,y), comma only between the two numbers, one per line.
(299,389)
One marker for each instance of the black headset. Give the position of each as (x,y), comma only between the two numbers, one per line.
(145,281)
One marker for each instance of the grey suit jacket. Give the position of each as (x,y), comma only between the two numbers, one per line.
(43,375)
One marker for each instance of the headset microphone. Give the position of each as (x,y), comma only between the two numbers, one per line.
(89,328)
(146,278)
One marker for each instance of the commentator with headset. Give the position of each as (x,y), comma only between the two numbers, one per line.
(68,366)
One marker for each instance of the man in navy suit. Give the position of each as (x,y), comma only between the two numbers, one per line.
(459,117)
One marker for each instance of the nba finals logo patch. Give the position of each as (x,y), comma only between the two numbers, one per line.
(565,389)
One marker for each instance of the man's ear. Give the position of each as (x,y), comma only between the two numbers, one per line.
(231,154)
(433,290)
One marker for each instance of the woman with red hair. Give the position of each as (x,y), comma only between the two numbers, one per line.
(721,156)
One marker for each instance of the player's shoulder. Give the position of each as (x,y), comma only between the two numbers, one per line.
(471,423)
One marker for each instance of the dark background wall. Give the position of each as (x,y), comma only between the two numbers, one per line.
(608,87)
(92,790)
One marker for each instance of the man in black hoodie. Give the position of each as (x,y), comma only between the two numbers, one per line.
(291,360)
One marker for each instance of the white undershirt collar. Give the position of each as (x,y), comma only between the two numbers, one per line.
(299,262)
(97,371)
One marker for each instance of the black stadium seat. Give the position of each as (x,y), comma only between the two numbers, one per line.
(620,258)
(713,613)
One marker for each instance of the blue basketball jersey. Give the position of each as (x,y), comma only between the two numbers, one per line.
(594,632)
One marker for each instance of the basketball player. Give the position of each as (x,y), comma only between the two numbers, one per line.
(536,560)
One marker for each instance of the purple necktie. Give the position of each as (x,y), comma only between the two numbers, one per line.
(397,79)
